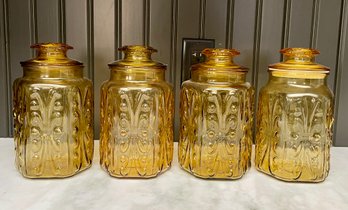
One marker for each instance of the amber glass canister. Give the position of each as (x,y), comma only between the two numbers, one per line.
(294,119)
(53,115)
(216,118)
(136,116)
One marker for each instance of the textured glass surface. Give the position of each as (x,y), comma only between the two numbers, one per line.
(216,118)
(53,115)
(294,122)
(136,117)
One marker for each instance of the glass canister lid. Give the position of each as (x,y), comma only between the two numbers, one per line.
(219,59)
(51,54)
(137,56)
(299,59)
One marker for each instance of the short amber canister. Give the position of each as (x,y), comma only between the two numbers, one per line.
(136,116)
(53,115)
(216,118)
(294,119)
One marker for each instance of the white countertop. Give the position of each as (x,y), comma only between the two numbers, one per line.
(174,189)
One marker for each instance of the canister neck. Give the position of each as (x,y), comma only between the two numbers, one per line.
(300,81)
(137,75)
(69,72)
(219,60)
(218,76)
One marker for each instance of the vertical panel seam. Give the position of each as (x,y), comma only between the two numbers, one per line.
(230,23)
(173,40)
(146,24)
(315,23)
(33,24)
(340,57)
(61,21)
(90,39)
(118,28)
(286,23)
(7,67)
(202,13)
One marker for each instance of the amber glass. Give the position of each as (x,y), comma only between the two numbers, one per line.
(53,115)
(216,118)
(136,116)
(294,119)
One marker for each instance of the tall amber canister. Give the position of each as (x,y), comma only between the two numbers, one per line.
(294,119)
(136,116)
(53,115)
(216,118)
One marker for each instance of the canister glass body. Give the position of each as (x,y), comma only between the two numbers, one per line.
(216,118)
(294,119)
(136,116)
(53,115)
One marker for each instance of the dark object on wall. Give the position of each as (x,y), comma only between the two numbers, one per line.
(191,54)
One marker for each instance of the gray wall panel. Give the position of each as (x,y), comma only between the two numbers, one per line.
(216,13)
(341,82)
(271,39)
(243,33)
(77,31)
(19,31)
(47,20)
(327,36)
(4,112)
(20,39)
(104,49)
(300,23)
(132,22)
(160,30)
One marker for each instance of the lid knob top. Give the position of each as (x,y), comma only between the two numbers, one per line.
(216,56)
(137,52)
(51,50)
(299,54)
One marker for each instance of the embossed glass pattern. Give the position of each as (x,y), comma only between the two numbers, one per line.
(294,119)
(53,115)
(136,116)
(216,118)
